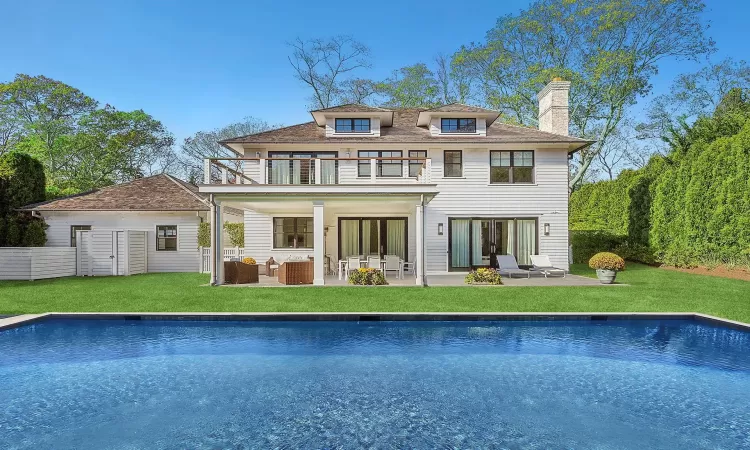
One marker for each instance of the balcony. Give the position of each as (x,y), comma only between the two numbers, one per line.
(317,171)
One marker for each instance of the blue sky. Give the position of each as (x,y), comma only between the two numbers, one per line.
(198,65)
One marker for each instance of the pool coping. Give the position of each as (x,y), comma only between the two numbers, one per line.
(26,319)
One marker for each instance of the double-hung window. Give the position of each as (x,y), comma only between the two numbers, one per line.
(293,232)
(458,125)
(453,163)
(166,238)
(385,167)
(352,125)
(511,167)
(73,229)
(416,165)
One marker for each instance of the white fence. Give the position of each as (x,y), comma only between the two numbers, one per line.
(229,254)
(36,263)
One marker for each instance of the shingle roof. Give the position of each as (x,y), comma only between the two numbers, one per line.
(460,107)
(404,130)
(352,107)
(156,193)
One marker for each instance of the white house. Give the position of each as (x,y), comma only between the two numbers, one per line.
(447,189)
(167,209)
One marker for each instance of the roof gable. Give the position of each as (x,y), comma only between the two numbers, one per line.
(156,193)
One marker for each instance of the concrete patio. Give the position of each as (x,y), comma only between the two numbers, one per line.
(454,280)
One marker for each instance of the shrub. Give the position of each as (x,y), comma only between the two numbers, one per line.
(236,233)
(635,252)
(606,261)
(367,277)
(204,234)
(588,243)
(35,234)
(483,275)
(21,181)
(249,260)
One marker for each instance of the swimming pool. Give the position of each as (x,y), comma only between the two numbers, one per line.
(508,384)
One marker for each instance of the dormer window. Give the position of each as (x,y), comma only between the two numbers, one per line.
(458,125)
(352,125)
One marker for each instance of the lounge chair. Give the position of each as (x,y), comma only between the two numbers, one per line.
(543,264)
(507,265)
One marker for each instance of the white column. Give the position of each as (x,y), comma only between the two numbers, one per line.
(318,244)
(206,171)
(217,245)
(263,179)
(418,261)
(318,170)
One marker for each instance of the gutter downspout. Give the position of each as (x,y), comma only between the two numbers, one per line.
(424,239)
(212,206)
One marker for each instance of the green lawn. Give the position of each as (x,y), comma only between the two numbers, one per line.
(650,290)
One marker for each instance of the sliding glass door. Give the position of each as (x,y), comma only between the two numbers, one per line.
(477,242)
(373,236)
(299,167)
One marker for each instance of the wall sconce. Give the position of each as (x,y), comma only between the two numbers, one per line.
(546,229)
(440,229)
(348,154)
(257,155)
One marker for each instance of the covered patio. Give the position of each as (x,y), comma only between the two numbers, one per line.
(325,225)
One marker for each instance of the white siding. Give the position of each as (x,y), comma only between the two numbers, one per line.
(35,263)
(473,196)
(186,259)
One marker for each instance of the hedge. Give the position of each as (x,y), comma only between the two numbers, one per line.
(689,208)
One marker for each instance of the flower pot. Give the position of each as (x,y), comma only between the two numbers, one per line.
(606,276)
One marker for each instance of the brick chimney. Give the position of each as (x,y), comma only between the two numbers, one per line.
(553,107)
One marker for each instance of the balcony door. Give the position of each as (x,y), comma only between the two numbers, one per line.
(373,236)
(478,242)
(299,167)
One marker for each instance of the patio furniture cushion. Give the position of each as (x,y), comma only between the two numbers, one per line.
(543,264)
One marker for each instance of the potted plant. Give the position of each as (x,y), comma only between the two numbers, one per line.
(607,265)
(483,276)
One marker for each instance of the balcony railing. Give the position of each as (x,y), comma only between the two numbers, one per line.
(323,170)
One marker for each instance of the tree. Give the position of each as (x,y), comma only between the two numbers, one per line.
(692,95)
(205,144)
(454,84)
(21,183)
(113,146)
(324,65)
(410,87)
(608,49)
(42,109)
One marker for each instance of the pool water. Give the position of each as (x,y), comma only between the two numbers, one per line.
(115,384)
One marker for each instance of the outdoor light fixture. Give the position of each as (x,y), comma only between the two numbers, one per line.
(440,229)
(348,154)
(546,229)
(257,155)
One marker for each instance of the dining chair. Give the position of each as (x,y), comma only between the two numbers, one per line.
(373,262)
(352,264)
(392,264)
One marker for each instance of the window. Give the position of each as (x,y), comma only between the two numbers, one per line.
(73,230)
(453,165)
(166,238)
(352,125)
(511,167)
(416,166)
(458,125)
(293,232)
(385,168)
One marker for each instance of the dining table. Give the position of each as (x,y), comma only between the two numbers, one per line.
(344,273)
